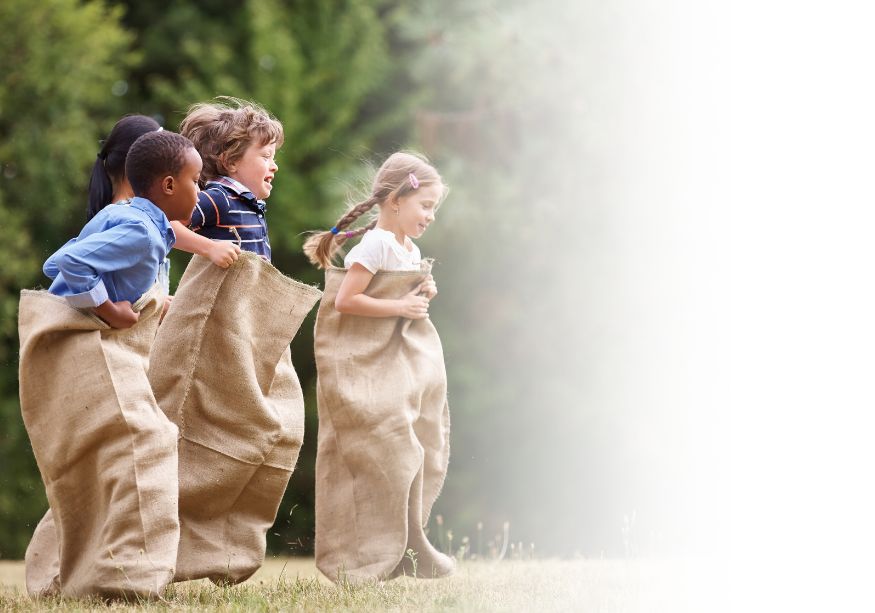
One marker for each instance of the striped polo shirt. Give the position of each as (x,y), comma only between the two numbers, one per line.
(226,210)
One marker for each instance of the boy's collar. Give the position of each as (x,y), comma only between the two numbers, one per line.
(155,214)
(151,209)
(238,188)
(233,184)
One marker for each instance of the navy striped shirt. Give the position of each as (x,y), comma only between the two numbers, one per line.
(226,210)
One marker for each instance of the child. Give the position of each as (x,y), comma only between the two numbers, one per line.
(109,185)
(238,141)
(221,366)
(383,417)
(108,182)
(106,453)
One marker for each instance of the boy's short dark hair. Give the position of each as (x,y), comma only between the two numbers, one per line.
(154,156)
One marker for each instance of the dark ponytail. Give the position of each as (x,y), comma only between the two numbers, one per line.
(110,163)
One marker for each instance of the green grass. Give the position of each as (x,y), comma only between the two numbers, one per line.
(294,585)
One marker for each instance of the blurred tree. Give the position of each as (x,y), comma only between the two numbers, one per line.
(327,70)
(62,61)
(506,115)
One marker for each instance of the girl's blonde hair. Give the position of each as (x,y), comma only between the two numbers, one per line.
(222,130)
(402,173)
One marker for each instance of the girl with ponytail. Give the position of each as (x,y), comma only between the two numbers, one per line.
(108,181)
(383,439)
(407,191)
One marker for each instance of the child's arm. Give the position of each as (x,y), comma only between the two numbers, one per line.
(220,253)
(84,262)
(351,299)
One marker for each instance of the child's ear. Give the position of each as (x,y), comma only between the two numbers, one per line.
(168,185)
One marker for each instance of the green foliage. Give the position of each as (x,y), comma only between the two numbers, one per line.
(323,68)
(52,100)
(60,61)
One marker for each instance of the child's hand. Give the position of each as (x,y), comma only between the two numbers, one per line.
(223,253)
(428,288)
(118,315)
(167,302)
(413,306)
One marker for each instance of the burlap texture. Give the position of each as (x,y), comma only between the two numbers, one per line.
(222,371)
(106,452)
(42,564)
(383,442)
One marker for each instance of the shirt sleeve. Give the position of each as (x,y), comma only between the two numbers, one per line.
(82,263)
(206,211)
(369,253)
(50,268)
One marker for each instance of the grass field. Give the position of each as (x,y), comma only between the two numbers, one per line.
(294,585)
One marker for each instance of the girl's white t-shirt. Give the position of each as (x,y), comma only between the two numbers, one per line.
(379,250)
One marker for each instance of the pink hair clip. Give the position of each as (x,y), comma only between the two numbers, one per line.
(414,182)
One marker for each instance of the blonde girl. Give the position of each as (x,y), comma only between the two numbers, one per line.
(407,191)
(383,443)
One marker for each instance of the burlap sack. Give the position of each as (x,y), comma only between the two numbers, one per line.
(222,371)
(106,452)
(383,437)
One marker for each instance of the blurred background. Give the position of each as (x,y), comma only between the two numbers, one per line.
(580,305)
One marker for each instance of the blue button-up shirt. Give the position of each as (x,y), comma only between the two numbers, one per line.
(226,210)
(117,256)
